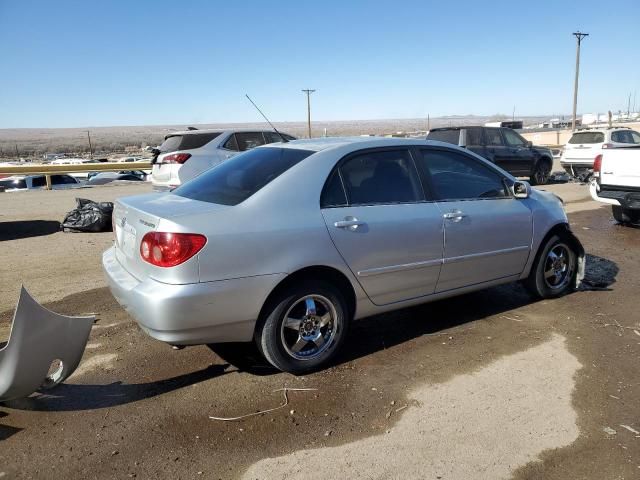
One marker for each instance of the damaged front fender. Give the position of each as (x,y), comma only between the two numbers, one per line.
(39,338)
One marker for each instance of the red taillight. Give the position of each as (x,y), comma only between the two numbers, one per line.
(164,249)
(607,145)
(176,158)
(597,165)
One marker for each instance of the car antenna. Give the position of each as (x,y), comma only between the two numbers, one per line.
(284,140)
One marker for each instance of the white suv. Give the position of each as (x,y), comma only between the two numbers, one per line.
(184,155)
(585,145)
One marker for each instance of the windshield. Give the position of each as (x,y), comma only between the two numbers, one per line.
(587,137)
(235,180)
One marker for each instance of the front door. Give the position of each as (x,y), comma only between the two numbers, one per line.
(487,231)
(521,155)
(389,236)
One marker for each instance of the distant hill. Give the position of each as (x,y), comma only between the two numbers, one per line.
(33,142)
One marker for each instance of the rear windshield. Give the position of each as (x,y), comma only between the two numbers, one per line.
(449,136)
(587,137)
(187,142)
(235,180)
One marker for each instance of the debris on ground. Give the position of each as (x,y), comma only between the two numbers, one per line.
(88,216)
(284,391)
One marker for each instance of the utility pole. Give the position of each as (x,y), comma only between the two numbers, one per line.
(428,122)
(90,149)
(629,105)
(17,154)
(579,37)
(308,92)
(513,115)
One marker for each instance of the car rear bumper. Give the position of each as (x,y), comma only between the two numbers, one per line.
(191,314)
(629,200)
(576,168)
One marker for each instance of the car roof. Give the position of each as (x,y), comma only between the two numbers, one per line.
(461,127)
(326,143)
(600,129)
(218,130)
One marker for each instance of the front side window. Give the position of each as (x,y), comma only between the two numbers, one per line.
(636,136)
(455,176)
(249,140)
(513,139)
(381,177)
(273,137)
(235,180)
(493,137)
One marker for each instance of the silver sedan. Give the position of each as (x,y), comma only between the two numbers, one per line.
(287,244)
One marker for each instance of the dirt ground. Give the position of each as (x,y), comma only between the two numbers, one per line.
(492,385)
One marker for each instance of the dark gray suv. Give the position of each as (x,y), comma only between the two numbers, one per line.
(502,146)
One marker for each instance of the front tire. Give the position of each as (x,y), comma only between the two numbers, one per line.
(303,327)
(541,173)
(554,272)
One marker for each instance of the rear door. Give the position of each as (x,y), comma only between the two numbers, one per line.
(487,231)
(497,151)
(390,236)
(521,157)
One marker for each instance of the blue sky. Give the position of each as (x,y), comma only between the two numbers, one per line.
(97,63)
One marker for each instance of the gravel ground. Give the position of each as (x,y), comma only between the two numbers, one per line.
(489,385)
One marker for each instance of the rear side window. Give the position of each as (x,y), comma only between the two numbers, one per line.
(231,144)
(455,176)
(474,136)
(333,194)
(235,180)
(37,182)
(249,140)
(448,136)
(19,183)
(493,137)
(381,177)
(187,142)
(586,138)
(625,136)
(273,137)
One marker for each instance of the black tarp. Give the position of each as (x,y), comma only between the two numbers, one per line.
(88,216)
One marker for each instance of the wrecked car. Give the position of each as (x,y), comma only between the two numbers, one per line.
(286,244)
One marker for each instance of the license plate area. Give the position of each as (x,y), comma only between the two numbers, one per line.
(127,236)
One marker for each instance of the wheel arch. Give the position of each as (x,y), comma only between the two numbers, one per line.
(329,274)
(563,230)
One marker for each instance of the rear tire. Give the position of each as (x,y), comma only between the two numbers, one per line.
(554,271)
(541,172)
(303,327)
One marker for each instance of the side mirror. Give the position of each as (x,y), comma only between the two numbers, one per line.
(529,144)
(520,189)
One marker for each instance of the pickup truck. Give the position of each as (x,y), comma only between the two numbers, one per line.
(616,181)
(502,146)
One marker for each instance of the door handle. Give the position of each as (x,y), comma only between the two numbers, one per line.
(350,223)
(455,216)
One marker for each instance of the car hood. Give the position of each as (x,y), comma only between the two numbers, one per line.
(541,149)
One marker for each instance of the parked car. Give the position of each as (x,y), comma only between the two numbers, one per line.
(286,244)
(103,178)
(184,155)
(502,146)
(585,145)
(616,181)
(30,182)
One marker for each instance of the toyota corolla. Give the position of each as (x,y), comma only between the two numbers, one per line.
(286,244)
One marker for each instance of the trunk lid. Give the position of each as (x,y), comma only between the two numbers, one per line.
(135,216)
